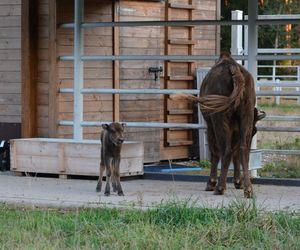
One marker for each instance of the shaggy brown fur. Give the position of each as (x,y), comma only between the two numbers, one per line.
(111,144)
(227,102)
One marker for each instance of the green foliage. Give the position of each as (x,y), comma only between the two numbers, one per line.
(205,164)
(283,108)
(171,225)
(282,169)
(284,145)
(269,36)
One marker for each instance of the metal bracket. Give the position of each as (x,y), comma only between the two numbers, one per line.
(156,71)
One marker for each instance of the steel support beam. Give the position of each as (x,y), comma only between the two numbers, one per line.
(132,91)
(177,57)
(78,70)
(179,23)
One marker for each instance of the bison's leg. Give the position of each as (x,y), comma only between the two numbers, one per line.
(99,184)
(246,137)
(108,163)
(244,154)
(116,169)
(223,134)
(214,158)
(237,180)
(113,182)
(226,158)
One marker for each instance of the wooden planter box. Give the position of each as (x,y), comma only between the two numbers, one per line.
(70,157)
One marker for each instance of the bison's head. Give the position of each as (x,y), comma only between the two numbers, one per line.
(258,115)
(116,132)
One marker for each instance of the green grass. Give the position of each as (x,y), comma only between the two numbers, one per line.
(288,145)
(282,108)
(282,169)
(172,225)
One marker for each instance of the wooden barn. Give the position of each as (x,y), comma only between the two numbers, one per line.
(34,39)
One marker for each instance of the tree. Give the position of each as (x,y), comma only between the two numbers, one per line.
(269,36)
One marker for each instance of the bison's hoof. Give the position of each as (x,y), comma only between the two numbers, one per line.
(219,191)
(238,184)
(248,192)
(98,188)
(121,193)
(107,193)
(210,186)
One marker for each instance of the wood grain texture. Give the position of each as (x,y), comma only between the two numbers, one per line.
(29,67)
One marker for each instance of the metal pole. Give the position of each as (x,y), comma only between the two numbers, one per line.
(138,124)
(78,71)
(203,145)
(237,34)
(132,91)
(298,81)
(252,53)
(175,57)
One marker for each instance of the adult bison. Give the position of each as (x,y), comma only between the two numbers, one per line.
(227,102)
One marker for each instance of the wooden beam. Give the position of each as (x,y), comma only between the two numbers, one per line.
(53,84)
(166,70)
(29,13)
(116,64)
(182,6)
(218,28)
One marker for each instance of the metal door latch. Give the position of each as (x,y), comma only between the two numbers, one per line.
(155,71)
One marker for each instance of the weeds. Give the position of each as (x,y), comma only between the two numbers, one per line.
(283,108)
(282,169)
(171,225)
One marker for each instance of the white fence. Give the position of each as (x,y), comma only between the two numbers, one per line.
(289,77)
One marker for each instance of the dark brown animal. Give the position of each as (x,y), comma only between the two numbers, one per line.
(227,102)
(237,179)
(112,138)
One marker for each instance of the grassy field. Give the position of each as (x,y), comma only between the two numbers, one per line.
(280,166)
(172,225)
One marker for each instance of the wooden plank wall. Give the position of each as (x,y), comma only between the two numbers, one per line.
(97,41)
(42,101)
(206,43)
(10,61)
(134,74)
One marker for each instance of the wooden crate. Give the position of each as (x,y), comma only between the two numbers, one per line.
(70,157)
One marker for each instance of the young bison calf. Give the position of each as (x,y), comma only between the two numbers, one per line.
(111,144)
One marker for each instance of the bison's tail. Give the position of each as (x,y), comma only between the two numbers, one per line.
(218,103)
(238,86)
(209,104)
(185,97)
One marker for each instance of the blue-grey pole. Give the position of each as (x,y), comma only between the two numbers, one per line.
(78,71)
(252,53)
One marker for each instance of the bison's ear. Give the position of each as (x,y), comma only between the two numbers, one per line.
(261,115)
(105,126)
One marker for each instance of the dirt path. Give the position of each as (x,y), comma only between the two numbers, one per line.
(51,192)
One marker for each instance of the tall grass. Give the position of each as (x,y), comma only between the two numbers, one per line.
(171,225)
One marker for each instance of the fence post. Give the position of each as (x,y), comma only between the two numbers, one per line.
(298,81)
(203,145)
(237,34)
(277,88)
(78,70)
(252,53)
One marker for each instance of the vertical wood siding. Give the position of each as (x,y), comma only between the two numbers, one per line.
(10,61)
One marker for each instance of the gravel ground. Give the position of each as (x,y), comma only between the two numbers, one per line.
(70,193)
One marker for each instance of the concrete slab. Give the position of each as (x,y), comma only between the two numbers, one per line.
(52,192)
